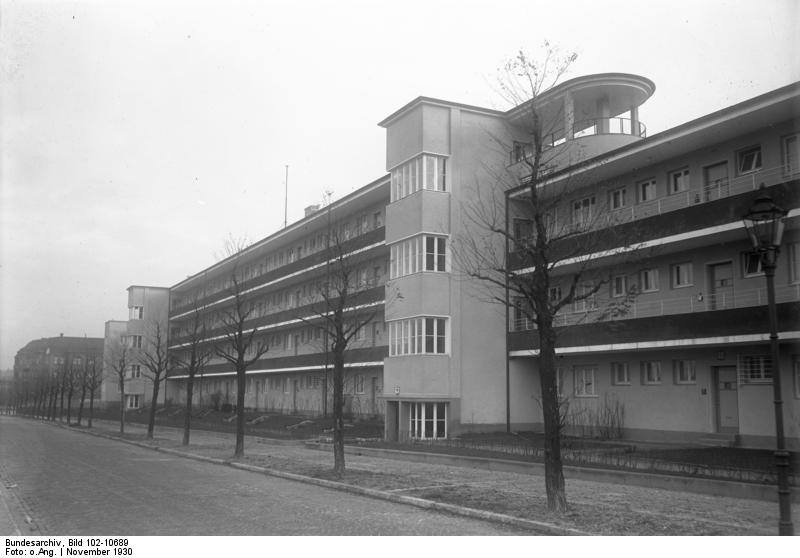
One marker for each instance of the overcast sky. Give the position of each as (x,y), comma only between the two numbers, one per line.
(137,136)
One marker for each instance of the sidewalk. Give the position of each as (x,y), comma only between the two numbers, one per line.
(595,507)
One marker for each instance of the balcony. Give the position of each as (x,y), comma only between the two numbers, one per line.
(665,307)
(697,195)
(582,129)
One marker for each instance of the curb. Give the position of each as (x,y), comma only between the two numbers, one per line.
(538,526)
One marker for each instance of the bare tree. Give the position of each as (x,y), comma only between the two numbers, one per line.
(528,236)
(117,363)
(192,357)
(72,382)
(240,347)
(341,313)
(93,380)
(156,361)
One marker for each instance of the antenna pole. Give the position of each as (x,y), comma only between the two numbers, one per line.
(286,199)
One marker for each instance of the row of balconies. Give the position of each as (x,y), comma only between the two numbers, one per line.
(311,261)
(595,312)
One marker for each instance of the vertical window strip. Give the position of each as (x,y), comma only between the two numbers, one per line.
(418,336)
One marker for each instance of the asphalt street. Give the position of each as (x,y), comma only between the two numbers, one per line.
(60,482)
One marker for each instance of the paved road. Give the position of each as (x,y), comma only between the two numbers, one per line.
(71,483)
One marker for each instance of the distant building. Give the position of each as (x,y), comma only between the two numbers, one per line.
(43,361)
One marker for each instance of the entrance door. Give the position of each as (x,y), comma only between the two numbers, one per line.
(727,399)
(721,278)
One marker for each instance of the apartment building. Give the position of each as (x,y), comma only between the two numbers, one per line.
(136,340)
(43,361)
(683,355)
(686,354)
(280,279)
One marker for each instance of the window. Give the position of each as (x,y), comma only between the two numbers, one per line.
(617,199)
(427,420)
(136,312)
(648,280)
(748,160)
(646,190)
(755,369)
(751,264)
(136,341)
(554,294)
(358,382)
(521,320)
(584,381)
(679,181)
(523,229)
(651,372)
(420,253)
(426,172)
(583,211)
(418,336)
(285,381)
(684,371)
(619,286)
(791,154)
(377,220)
(620,376)
(793,250)
(681,275)
(136,371)
(132,401)
(716,176)
(585,299)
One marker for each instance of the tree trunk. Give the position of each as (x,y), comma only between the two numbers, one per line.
(122,407)
(338,413)
(69,405)
(61,405)
(91,406)
(240,387)
(80,407)
(187,421)
(553,471)
(151,422)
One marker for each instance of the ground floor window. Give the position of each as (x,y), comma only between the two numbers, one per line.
(132,401)
(428,420)
(584,381)
(754,369)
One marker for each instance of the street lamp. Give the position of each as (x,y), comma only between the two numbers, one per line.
(764,223)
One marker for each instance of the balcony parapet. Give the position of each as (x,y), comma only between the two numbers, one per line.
(582,129)
(667,307)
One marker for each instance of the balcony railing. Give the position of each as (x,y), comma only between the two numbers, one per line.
(667,306)
(715,190)
(583,128)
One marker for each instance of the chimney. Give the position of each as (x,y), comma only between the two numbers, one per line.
(311,209)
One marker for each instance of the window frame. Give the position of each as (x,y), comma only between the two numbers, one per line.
(584,210)
(581,388)
(786,151)
(683,182)
(419,335)
(647,366)
(618,195)
(418,416)
(746,259)
(676,276)
(681,366)
(757,163)
(616,367)
(653,273)
(651,187)
(764,368)
(614,284)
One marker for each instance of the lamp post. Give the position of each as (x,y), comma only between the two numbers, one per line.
(764,223)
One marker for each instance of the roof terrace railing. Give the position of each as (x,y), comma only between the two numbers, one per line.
(582,128)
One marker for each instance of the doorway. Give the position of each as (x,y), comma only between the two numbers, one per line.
(726,399)
(721,286)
